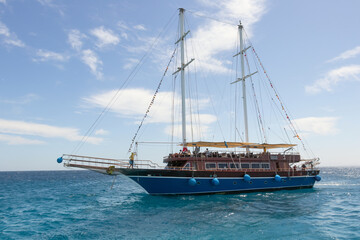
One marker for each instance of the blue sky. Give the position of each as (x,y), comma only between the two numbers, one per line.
(61,62)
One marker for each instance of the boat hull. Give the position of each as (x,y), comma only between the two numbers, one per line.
(173,182)
(160,185)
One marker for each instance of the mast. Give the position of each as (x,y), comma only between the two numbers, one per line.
(183,112)
(243,83)
(182,70)
(243,77)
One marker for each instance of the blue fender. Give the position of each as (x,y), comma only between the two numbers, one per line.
(192,182)
(318,178)
(215,181)
(247,178)
(59,160)
(277,178)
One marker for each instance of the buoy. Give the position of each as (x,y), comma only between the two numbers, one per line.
(277,178)
(247,178)
(317,178)
(59,160)
(215,181)
(192,182)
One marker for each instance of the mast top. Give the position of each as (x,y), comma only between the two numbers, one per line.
(181,10)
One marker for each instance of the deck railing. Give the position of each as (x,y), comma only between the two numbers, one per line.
(96,162)
(104,163)
(235,155)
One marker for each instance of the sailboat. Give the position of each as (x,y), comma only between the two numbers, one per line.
(219,170)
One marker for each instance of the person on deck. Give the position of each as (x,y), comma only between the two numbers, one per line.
(131,159)
(197,150)
(207,153)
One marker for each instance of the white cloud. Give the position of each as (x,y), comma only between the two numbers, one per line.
(216,37)
(101,132)
(145,45)
(192,132)
(132,103)
(51,4)
(75,39)
(3,1)
(124,35)
(122,25)
(105,36)
(212,39)
(317,125)
(4,30)
(16,140)
(46,2)
(90,59)
(21,100)
(130,64)
(333,77)
(45,55)
(347,54)
(43,130)
(140,27)
(8,37)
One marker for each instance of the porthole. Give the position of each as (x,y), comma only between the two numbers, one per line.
(234,182)
(265,182)
(198,183)
(284,180)
(250,182)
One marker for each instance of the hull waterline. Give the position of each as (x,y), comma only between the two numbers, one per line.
(181,185)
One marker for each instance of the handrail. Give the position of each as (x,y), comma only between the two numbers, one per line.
(90,162)
(107,162)
(214,154)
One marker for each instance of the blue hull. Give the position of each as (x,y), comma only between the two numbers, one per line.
(158,185)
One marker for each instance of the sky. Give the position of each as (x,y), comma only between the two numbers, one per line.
(62,62)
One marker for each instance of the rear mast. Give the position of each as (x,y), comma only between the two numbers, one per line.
(243,77)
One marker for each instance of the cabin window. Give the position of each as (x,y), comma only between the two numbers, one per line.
(255,165)
(222,165)
(232,165)
(187,166)
(265,165)
(210,165)
(245,165)
(274,157)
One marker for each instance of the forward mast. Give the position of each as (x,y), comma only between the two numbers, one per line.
(182,70)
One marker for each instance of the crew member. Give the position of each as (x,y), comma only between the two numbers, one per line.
(131,159)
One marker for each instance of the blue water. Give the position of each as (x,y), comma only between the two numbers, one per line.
(82,205)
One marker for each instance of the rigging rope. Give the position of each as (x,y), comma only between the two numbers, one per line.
(130,77)
(152,101)
(199,132)
(256,102)
(292,127)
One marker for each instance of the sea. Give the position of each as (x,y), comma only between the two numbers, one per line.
(89,205)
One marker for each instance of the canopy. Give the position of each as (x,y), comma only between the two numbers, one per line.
(238,144)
